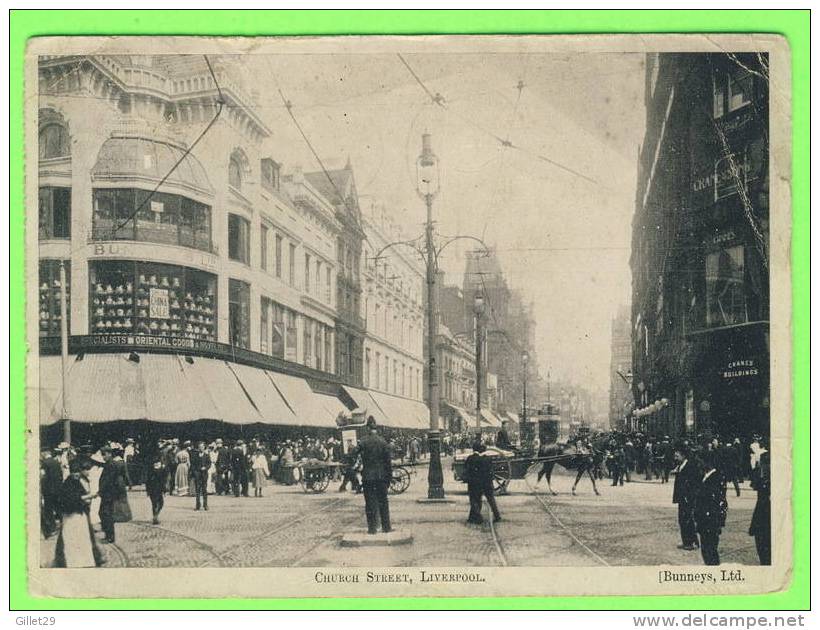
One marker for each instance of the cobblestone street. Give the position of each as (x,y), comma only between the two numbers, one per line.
(631,525)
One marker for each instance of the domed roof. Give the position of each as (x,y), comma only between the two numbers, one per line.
(129,157)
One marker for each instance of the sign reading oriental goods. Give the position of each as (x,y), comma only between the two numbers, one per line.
(740,368)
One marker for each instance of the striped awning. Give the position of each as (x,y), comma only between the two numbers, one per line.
(311,409)
(489,419)
(107,387)
(401,413)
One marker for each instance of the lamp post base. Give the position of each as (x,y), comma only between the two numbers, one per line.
(435,478)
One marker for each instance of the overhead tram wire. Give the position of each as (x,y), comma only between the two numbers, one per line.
(289,107)
(439,100)
(220,102)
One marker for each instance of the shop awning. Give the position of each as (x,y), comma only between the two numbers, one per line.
(107,387)
(513,417)
(363,400)
(311,408)
(466,417)
(101,387)
(489,419)
(171,393)
(214,378)
(261,390)
(401,413)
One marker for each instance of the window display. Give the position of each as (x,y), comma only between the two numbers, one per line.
(50,294)
(162,218)
(152,299)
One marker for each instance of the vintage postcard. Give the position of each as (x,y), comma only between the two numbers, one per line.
(408,316)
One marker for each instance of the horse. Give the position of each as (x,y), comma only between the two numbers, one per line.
(584,462)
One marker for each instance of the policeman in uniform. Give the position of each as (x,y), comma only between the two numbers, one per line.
(377,470)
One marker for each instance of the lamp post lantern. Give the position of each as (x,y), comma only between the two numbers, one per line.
(478,307)
(427,185)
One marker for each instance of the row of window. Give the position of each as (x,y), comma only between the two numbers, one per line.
(394,327)
(388,374)
(734,294)
(278,331)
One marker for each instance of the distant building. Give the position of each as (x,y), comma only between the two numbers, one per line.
(620,367)
(700,299)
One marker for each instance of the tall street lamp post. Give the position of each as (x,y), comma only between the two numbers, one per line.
(525,360)
(427,172)
(478,306)
(64,353)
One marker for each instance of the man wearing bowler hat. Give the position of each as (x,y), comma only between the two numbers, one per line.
(377,470)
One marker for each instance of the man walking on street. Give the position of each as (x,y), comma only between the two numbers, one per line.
(223,468)
(239,469)
(683,494)
(200,464)
(155,485)
(478,469)
(710,509)
(112,489)
(51,482)
(377,469)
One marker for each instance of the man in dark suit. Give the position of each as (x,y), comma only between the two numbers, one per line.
(377,470)
(239,469)
(155,484)
(112,487)
(200,464)
(223,468)
(478,469)
(683,494)
(761,525)
(51,481)
(710,509)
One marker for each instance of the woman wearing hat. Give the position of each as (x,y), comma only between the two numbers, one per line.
(183,460)
(259,466)
(75,543)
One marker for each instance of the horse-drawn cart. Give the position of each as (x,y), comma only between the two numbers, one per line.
(314,476)
(515,464)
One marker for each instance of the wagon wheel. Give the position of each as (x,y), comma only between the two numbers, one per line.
(321,481)
(400,481)
(302,478)
(501,476)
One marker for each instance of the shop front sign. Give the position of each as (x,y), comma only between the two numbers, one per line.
(159,304)
(740,368)
(128,250)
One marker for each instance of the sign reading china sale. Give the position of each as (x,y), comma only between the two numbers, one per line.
(159,307)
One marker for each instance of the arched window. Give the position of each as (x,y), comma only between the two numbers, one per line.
(54,142)
(238,168)
(235,173)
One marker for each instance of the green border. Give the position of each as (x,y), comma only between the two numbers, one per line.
(793,24)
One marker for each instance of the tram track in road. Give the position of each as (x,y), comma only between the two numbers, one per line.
(499,547)
(563,526)
(225,557)
(207,549)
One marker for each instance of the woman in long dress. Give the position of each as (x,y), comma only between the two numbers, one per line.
(181,477)
(97,463)
(261,471)
(76,547)
(212,454)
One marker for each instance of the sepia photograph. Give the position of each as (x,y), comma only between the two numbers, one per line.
(378,316)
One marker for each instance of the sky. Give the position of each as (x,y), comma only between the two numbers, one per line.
(562,231)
